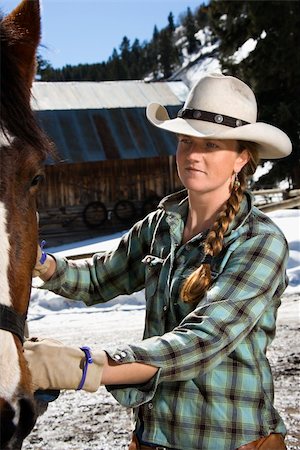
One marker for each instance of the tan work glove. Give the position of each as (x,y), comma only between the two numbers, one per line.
(42,263)
(54,365)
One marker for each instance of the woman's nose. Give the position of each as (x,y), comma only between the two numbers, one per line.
(195,150)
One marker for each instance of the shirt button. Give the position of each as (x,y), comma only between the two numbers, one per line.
(165,308)
(150,405)
(188,247)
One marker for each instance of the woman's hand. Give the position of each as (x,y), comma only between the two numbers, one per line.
(45,265)
(54,365)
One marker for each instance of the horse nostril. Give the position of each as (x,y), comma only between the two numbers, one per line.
(7,426)
(15,425)
(27,419)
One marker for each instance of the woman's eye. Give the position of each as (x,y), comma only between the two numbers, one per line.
(185,141)
(211,145)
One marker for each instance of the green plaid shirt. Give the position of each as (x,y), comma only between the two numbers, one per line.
(214,388)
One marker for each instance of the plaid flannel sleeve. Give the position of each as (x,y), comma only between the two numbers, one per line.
(106,275)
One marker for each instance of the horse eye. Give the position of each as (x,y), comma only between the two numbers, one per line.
(37,180)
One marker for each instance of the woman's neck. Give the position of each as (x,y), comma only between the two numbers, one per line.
(202,214)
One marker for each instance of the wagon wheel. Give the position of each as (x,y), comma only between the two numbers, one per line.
(150,204)
(125,210)
(94,214)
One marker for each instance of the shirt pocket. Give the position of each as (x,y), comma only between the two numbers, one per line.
(153,265)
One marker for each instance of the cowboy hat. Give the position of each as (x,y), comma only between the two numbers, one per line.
(222,107)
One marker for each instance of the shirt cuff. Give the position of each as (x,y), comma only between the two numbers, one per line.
(131,395)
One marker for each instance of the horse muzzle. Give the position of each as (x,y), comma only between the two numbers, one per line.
(16,422)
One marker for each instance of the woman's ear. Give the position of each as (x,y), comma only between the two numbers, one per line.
(241,160)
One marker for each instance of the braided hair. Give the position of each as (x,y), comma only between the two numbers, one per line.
(200,280)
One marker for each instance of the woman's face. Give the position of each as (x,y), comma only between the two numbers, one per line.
(208,165)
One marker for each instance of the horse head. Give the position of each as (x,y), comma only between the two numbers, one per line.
(24,148)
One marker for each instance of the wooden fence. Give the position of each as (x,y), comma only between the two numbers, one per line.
(273,199)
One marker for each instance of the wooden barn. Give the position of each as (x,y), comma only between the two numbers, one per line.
(108,153)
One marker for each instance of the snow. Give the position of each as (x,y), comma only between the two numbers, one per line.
(289,222)
(262,170)
(243,51)
(100,244)
(206,65)
(45,303)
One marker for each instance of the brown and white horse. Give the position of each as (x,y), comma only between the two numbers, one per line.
(23,149)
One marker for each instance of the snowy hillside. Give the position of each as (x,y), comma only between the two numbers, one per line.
(206,60)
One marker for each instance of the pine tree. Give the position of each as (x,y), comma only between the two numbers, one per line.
(44,68)
(201,16)
(125,57)
(168,53)
(191,30)
(171,25)
(125,49)
(136,58)
(155,34)
(152,53)
(116,70)
(165,49)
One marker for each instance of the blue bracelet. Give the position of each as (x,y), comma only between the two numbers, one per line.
(44,254)
(88,360)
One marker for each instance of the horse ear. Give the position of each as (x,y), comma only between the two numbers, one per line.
(24,26)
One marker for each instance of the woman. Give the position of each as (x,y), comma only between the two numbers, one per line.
(213,269)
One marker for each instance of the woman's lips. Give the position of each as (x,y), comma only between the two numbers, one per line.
(194,169)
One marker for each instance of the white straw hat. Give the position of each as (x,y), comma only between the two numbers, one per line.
(223,107)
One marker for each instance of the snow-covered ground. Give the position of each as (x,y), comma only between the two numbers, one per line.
(82,421)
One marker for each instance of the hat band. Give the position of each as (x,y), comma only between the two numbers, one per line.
(220,119)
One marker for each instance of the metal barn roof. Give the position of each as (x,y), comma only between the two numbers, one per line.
(94,121)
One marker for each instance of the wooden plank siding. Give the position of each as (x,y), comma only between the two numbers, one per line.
(68,188)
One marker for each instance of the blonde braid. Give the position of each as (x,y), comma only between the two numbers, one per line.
(200,280)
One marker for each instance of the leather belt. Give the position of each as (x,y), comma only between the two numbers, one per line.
(274,441)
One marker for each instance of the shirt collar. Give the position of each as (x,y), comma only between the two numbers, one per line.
(176,207)
(175,203)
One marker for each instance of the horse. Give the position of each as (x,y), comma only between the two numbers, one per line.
(24,148)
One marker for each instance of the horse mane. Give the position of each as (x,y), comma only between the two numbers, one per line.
(17,120)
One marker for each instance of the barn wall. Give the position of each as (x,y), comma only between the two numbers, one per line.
(107,181)
(70,187)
